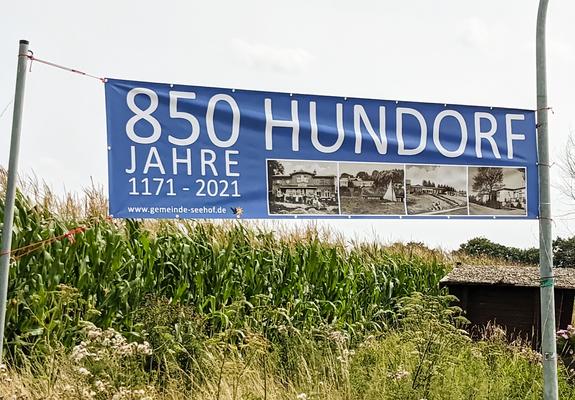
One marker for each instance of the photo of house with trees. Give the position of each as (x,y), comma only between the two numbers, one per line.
(436,190)
(302,187)
(371,189)
(497,191)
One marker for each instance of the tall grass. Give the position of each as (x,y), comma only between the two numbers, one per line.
(425,356)
(228,311)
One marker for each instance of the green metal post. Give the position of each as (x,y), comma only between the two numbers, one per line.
(11,187)
(548,342)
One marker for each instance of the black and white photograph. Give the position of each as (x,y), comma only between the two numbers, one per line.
(436,190)
(371,189)
(497,191)
(302,187)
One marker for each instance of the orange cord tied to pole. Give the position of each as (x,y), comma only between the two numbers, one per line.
(25,250)
(32,58)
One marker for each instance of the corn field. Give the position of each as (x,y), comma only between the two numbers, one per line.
(230,275)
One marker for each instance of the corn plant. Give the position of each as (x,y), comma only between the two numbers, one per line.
(233,275)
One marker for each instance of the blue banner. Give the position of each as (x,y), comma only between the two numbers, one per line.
(178,151)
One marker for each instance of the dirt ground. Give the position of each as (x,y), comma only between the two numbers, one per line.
(476,209)
(301,209)
(423,204)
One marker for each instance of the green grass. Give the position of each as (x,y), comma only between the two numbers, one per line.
(424,356)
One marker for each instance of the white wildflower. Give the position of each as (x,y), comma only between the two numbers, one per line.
(338,337)
(93,334)
(144,349)
(101,386)
(399,375)
(80,352)
(88,394)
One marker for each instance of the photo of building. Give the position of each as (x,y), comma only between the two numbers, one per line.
(436,190)
(497,191)
(302,187)
(371,189)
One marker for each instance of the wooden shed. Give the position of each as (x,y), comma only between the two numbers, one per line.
(509,297)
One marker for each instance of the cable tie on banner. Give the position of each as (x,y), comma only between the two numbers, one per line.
(546,165)
(32,58)
(546,108)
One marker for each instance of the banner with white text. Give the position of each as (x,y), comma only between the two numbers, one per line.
(177,151)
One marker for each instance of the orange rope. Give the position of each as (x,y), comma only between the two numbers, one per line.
(32,58)
(25,250)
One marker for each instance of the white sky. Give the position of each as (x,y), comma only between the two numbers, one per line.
(321,168)
(353,168)
(440,175)
(447,51)
(513,178)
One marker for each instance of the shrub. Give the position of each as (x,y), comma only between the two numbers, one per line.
(482,247)
(564,252)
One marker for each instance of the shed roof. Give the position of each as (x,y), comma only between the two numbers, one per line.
(506,276)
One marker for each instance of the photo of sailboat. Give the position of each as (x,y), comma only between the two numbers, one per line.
(371,189)
(390,193)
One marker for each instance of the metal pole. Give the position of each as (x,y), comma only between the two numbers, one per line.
(548,343)
(11,188)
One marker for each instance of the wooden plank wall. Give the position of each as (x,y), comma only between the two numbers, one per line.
(515,308)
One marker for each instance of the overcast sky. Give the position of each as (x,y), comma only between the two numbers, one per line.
(452,51)
(320,168)
(513,177)
(354,168)
(440,175)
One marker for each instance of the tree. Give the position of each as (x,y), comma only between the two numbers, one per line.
(487,180)
(564,252)
(397,176)
(481,246)
(274,168)
(379,178)
(568,168)
(363,175)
